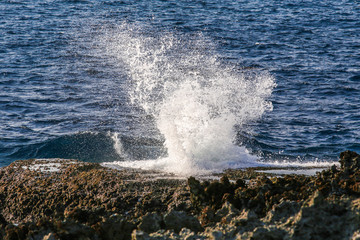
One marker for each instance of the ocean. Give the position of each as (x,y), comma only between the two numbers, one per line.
(180,86)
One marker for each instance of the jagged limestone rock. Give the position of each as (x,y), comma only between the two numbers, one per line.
(319,219)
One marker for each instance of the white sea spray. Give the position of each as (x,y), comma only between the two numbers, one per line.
(195,97)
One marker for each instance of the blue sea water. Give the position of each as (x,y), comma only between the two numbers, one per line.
(90,79)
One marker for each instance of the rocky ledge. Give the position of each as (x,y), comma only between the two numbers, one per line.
(67,199)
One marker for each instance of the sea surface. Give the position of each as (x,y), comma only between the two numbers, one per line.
(180,86)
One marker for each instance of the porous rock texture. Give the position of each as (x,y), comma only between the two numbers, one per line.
(87,201)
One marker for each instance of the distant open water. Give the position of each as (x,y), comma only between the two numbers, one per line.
(62,94)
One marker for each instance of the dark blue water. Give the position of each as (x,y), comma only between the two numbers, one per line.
(61,96)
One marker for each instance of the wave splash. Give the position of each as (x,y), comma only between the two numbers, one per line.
(195,97)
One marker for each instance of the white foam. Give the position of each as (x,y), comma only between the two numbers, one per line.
(308,164)
(46,167)
(184,167)
(48,164)
(117,144)
(195,98)
(307,172)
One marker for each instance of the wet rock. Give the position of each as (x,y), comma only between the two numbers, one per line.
(175,220)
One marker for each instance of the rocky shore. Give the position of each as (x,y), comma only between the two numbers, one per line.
(66,199)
